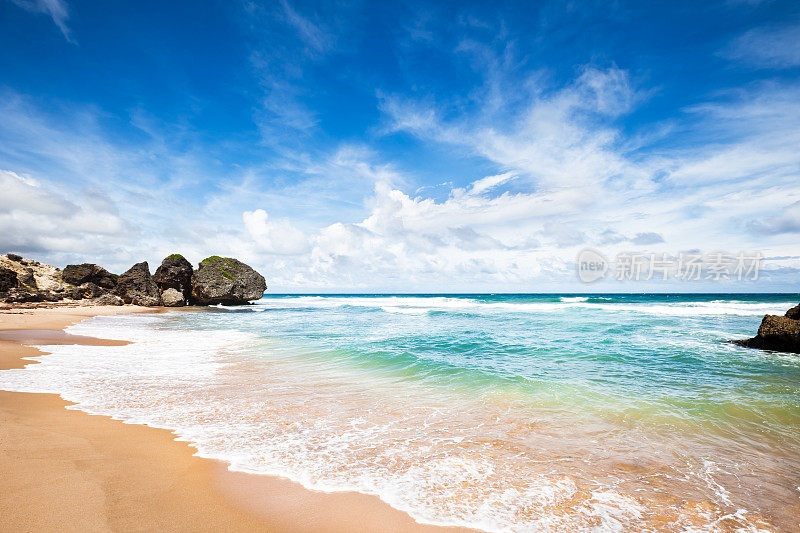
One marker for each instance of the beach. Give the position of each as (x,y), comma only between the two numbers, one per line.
(500,413)
(65,470)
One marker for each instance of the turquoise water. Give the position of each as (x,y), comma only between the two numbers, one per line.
(502,412)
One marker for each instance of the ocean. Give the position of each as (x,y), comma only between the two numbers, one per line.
(501,412)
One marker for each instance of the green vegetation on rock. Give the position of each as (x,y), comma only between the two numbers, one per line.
(219,263)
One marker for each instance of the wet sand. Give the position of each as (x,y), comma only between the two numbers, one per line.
(65,470)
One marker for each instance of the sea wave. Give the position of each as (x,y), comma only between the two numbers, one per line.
(421,305)
(501,414)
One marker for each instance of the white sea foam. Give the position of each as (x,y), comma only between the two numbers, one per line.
(421,305)
(267,407)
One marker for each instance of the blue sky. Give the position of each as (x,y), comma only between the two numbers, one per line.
(388,146)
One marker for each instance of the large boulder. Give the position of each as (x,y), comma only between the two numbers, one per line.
(89,273)
(137,287)
(108,299)
(224,280)
(175,273)
(8,279)
(779,333)
(172,298)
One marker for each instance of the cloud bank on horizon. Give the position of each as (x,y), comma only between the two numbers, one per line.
(402,147)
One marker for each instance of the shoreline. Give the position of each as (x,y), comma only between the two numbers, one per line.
(63,469)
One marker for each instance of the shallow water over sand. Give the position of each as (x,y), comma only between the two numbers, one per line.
(508,413)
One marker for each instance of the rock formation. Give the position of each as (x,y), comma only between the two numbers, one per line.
(137,287)
(779,333)
(172,298)
(175,283)
(89,273)
(35,275)
(224,280)
(174,273)
(108,299)
(8,279)
(89,290)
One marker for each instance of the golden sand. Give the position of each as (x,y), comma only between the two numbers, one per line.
(65,470)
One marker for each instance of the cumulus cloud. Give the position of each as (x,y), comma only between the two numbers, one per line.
(274,236)
(34,218)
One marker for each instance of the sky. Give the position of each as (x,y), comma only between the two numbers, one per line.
(404,146)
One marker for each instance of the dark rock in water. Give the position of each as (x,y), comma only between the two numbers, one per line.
(8,279)
(779,333)
(173,298)
(108,299)
(91,290)
(793,313)
(88,272)
(137,287)
(175,272)
(14,257)
(227,281)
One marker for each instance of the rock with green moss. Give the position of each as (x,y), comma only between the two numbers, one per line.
(175,273)
(224,280)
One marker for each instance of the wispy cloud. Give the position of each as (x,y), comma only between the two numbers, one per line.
(774,47)
(55,9)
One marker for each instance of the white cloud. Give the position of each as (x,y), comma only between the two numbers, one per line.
(34,218)
(55,9)
(274,236)
(768,47)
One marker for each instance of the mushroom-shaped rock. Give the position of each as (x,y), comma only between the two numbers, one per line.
(175,272)
(137,287)
(224,280)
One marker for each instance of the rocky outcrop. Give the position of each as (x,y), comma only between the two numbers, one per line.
(172,298)
(33,274)
(224,280)
(174,273)
(779,333)
(108,299)
(793,313)
(8,279)
(89,273)
(26,296)
(90,290)
(137,287)
(27,278)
